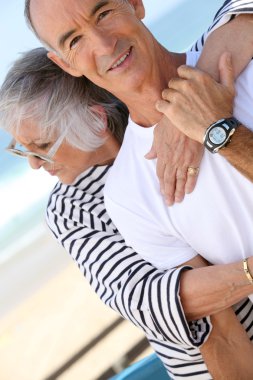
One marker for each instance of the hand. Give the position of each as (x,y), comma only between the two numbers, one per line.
(175,154)
(194,100)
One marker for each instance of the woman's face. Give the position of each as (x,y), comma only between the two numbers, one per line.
(68,162)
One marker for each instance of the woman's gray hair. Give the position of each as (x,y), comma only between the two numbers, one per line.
(35,88)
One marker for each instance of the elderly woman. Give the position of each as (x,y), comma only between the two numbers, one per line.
(73,129)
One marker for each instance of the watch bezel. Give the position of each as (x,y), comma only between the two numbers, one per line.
(228,125)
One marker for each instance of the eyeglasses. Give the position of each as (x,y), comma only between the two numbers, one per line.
(26,153)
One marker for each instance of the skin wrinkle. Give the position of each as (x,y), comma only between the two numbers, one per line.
(151,93)
(71,55)
(69,161)
(157,78)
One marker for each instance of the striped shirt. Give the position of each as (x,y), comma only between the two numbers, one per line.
(146,296)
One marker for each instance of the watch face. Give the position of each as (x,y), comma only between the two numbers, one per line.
(217,135)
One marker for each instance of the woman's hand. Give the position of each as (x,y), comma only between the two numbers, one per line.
(172,165)
(195,100)
(178,161)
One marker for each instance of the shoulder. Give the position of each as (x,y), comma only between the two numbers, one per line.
(80,204)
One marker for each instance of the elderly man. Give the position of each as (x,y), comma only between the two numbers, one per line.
(93,44)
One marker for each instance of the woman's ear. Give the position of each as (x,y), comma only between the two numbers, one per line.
(100,111)
(62,64)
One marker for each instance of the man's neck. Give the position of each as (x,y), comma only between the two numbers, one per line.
(141,104)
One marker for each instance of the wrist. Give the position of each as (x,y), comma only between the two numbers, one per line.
(248,269)
(219,134)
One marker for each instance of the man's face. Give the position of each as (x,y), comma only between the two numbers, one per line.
(103,40)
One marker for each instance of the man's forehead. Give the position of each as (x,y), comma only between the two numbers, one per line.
(89,6)
(60,14)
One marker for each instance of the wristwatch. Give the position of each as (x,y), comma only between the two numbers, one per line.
(219,133)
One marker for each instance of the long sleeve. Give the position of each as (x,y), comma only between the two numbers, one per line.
(141,293)
(227,11)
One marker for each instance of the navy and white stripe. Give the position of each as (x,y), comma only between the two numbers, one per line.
(139,292)
(229,9)
(146,296)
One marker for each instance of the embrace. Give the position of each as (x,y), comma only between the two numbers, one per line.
(166,242)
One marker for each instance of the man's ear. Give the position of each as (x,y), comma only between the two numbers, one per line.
(138,8)
(62,64)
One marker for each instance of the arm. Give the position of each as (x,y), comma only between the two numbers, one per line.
(125,282)
(208,290)
(220,351)
(196,101)
(228,351)
(236,33)
(203,291)
(172,165)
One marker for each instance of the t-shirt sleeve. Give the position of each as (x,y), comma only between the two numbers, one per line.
(227,11)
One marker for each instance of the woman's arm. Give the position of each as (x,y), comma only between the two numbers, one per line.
(228,352)
(235,37)
(220,351)
(208,290)
(172,164)
(175,152)
(148,297)
(194,101)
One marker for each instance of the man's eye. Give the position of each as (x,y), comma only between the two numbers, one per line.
(74,42)
(103,14)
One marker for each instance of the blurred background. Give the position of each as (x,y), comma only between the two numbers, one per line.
(40,287)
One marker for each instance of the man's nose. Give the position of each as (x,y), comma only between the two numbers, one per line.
(35,162)
(103,42)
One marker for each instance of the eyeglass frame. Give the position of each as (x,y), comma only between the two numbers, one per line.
(26,153)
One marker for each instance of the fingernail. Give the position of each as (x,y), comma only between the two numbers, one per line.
(168,202)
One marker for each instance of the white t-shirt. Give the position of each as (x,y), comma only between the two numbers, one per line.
(216,220)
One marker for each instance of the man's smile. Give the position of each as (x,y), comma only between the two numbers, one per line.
(122,60)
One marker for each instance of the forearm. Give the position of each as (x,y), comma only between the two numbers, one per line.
(206,291)
(238,32)
(239,151)
(220,352)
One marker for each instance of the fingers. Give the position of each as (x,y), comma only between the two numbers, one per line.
(226,71)
(177,183)
(190,183)
(181,179)
(163,107)
(169,185)
(188,72)
(169,95)
(152,154)
(160,172)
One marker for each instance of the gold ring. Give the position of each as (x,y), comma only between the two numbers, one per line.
(192,171)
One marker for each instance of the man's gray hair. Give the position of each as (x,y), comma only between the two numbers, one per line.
(27,14)
(28,19)
(37,89)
